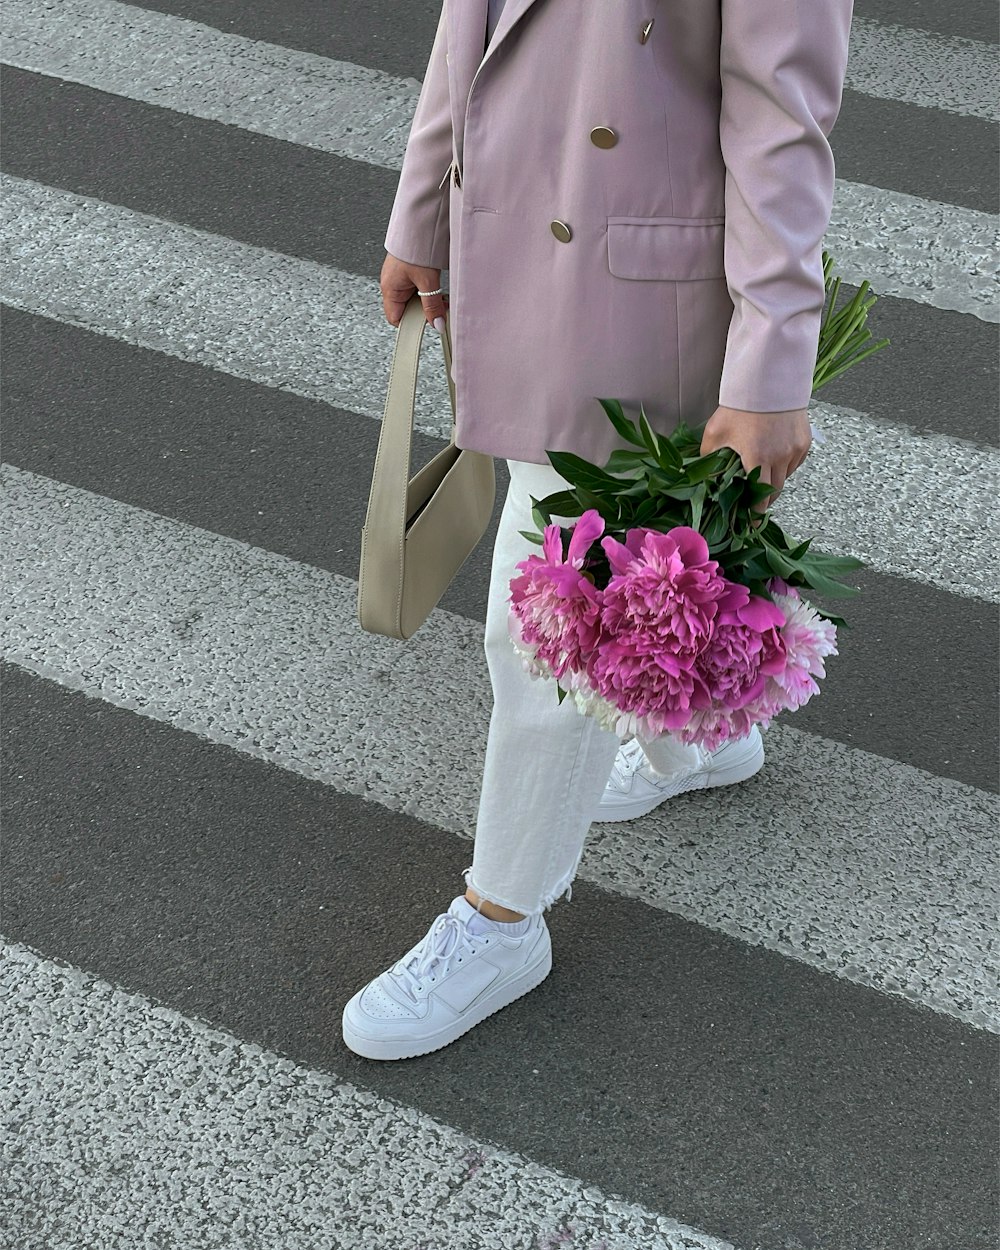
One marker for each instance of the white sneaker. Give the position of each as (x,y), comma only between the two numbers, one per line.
(461,971)
(634,789)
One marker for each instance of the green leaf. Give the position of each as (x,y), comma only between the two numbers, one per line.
(657,475)
(778,563)
(687,439)
(562,503)
(826,586)
(562,693)
(534,538)
(639,490)
(670,457)
(834,564)
(605,506)
(538,516)
(757,568)
(621,461)
(649,435)
(697,505)
(756,490)
(622,424)
(702,469)
(679,492)
(836,620)
(730,497)
(715,529)
(772,533)
(733,469)
(579,471)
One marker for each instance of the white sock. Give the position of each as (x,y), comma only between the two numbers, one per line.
(513,927)
(477,922)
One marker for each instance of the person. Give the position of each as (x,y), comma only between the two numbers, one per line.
(632,206)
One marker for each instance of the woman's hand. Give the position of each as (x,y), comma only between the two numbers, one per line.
(397,282)
(777,441)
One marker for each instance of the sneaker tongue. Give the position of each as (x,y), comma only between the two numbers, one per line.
(474,920)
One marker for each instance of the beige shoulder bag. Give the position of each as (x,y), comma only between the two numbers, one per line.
(419,532)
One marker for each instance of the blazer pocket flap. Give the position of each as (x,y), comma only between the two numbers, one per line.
(671,249)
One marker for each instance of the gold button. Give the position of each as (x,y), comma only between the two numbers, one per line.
(646,29)
(603,137)
(561,231)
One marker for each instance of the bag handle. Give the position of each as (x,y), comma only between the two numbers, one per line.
(391,475)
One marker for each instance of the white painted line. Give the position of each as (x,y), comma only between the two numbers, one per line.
(918,67)
(921,250)
(907,504)
(207,299)
(861,866)
(130,1116)
(135,53)
(338,106)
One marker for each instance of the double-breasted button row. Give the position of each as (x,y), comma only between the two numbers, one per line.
(601,137)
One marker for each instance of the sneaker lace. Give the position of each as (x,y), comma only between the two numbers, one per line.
(446,938)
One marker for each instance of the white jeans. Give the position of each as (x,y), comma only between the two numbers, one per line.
(546,765)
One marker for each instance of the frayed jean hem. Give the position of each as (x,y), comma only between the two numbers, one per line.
(564,888)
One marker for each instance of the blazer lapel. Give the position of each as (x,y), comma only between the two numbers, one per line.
(512,12)
(466,39)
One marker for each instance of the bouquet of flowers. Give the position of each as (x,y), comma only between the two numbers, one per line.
(672,605)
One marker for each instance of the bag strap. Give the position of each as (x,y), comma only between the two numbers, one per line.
(446,348)
(391,475)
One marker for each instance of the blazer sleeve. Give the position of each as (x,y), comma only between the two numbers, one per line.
(419,230)
(782,67)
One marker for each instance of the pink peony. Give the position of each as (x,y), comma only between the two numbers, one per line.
(746,648)
(778,586)
(653,685)
(554,618)
(670,645)
(663,582)
(712,726)
(807,638)
(658,613)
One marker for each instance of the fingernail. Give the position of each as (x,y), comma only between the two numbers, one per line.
(439,324)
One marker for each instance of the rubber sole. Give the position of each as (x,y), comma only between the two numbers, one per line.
(396,1048)
(744,764)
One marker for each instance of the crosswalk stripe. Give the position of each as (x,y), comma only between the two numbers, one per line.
(263,654)
(154,1116)
(924,250)
(282,321)
(916,249)
(340,106)
(917,67)
(335,106)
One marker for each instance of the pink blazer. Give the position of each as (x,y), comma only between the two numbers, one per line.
(630,198)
